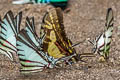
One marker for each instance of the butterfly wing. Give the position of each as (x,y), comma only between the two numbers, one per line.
(6,48)
(9,31)
(108,32)
(58,44)
(32,58)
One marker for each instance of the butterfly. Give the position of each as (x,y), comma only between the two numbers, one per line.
(102,42)
(31,55)
(54,39)
(9,29)
(56,3)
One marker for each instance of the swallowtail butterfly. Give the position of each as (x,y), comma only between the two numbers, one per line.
(102,42)
(55,41)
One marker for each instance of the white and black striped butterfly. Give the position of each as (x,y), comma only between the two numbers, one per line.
(102,42)
(9,29)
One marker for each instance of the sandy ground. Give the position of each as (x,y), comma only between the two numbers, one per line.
(85,20)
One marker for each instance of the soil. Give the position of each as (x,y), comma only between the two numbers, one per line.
(85,20)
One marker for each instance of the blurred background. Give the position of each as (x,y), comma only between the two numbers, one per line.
(84,20)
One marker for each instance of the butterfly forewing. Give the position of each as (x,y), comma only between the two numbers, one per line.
(9,30)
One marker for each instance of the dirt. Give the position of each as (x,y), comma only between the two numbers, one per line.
(85,20)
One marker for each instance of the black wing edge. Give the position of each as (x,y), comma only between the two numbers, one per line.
(109,18)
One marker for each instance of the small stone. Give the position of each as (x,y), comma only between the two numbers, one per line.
(102,59)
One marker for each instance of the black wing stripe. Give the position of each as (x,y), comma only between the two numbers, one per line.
(2,33)
(10,19)
(7,47)
(31,26)
(29,46)
(18,20)
(3,27)
(109,17)
(7,53)
(26,36)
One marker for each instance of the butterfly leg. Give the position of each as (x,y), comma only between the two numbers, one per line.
(65,59)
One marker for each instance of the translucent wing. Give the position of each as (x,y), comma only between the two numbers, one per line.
(32,58)
(56,43)
(9,31)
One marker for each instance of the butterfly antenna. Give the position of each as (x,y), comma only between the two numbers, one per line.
(91,42)
(76,44)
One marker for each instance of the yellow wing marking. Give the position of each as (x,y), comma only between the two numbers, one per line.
(49,25)
(57,44)
(52,36)
(54,51)
(57,26)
